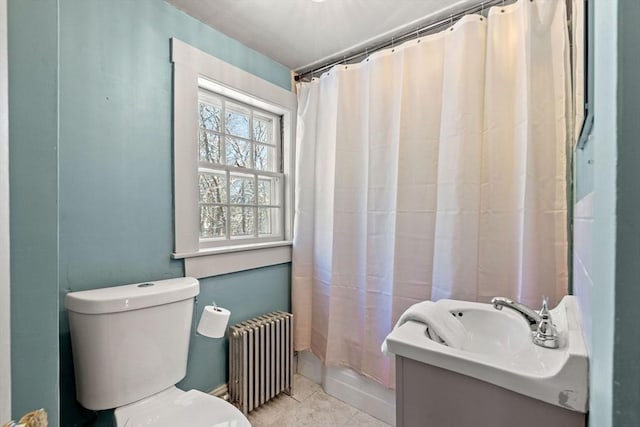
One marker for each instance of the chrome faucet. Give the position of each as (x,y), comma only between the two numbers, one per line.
(532,317)
(543,330)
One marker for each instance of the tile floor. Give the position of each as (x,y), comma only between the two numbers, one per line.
(310,406)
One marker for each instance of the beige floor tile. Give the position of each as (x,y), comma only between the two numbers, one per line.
(266,414)
(309,406)
(318,410)
(365,420)
(303,387)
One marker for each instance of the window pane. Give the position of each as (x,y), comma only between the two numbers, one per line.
(213,187)
(210,116)
(242,191)
(209,146)
(265,158)
(268,221)
(263,130)
(213,221)
(238,152)
(239,156)
(237,120)
(242,221)
(268,190)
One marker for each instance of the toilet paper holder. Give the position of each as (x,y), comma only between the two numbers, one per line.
(213,321)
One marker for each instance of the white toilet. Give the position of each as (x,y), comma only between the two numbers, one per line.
(130,346)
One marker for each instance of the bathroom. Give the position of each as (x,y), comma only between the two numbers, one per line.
(87,195)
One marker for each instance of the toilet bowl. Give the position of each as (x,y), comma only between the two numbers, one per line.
(174,407)
(130,345)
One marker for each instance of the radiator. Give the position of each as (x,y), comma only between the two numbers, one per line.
(260,360)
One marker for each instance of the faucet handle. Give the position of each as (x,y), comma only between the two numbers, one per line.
(545,306)
(546,335)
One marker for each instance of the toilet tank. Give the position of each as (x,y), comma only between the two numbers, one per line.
(130,342)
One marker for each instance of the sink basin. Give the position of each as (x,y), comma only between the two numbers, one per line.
(499,350)
(491,331)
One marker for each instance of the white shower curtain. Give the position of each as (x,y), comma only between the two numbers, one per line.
(433,170)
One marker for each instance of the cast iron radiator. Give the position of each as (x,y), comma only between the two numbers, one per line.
(260,359)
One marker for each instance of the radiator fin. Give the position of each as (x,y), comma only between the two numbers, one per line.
(260,360)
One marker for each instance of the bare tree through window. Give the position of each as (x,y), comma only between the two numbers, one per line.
(239,177)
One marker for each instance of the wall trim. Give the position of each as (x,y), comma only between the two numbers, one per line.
(5,275)
(232,262)
(221,391)
(350,387)
(192,69)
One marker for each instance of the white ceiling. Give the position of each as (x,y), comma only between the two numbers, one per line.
(301,33)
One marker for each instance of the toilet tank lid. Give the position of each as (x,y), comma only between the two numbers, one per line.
(131,297)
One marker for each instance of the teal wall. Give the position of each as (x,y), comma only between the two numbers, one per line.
(33,167)
(601,177)
(614,369)
(103,68)
(626,368)
(583,161)
(246,294)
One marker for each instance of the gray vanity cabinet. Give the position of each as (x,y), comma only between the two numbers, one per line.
(428,396)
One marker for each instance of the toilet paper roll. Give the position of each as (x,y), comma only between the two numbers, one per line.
(213,322)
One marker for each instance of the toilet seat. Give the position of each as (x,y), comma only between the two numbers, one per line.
(174,407)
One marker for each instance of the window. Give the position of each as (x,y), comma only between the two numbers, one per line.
(239,175)
(233,163)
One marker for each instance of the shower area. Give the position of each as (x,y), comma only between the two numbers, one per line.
(434,166)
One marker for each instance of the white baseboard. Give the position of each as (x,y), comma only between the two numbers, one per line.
(221,391)
(350,387)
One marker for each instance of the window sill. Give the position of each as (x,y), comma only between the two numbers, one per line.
(229,259)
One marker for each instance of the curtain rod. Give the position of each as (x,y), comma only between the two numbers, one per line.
(424,29)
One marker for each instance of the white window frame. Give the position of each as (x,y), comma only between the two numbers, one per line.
(222,168)
(194,70)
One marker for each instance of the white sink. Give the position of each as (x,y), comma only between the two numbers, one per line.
(499,350)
